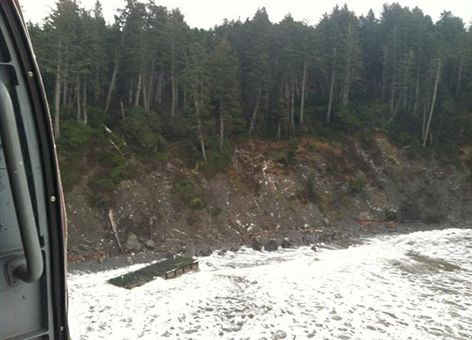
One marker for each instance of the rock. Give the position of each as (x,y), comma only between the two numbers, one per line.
(205,252)
(286,243)
(365,216)
(271,245)
(256,244)
(314,248)
(132,243)
(221,252)
(150,244)
(235,249)
(279,335)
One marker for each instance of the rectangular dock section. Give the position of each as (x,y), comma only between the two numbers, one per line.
(167,269)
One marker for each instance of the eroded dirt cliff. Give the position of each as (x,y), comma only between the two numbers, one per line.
(312,191)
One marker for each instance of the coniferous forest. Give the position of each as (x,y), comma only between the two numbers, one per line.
(148,79)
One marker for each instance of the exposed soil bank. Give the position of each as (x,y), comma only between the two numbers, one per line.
(314,192)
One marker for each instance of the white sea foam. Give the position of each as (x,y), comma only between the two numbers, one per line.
(415,286)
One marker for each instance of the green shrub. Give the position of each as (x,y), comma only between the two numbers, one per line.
(356,185)
(218,159)
(176,129)
(101,184)
(74,137)
(215,211)
(96,117)
(71,174)
(289,156)
(349,116)
(185,191)
(196,203)
(184,187)
(113,168)
(365,116)
(406,139)
(142,132)
(73,147)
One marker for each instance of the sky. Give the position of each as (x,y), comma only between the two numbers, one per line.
(208,13)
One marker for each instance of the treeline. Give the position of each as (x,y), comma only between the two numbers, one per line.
(149,71)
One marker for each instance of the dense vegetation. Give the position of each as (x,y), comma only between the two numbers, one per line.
(151,79)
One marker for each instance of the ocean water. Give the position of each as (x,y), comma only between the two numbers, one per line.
(413,286)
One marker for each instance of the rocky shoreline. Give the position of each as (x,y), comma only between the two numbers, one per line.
(337,238)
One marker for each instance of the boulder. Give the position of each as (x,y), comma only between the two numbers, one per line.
(365,216)
(286,243)
(256,244)
(132,243)
(205,252)
(150,244)
(271,245)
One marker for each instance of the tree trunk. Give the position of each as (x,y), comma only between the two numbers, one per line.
(138,90)
(116,66)
(331,93)
(78,100)
(130,91)
(395,110)
(405,92)
(347,84)
(147,93)
(84,104)
(111,218)
(57,94)
(292,107)
(417,93)
(423,125)
(222,127)
(200,128)
(384,74)
(459,76)
(122,107)
(96,87)
(347,78)
(147,96)
(433,102)
(111,87)
(302,99)
(65,98)
(201,139)
(159,89)
(172,81)
(252,125)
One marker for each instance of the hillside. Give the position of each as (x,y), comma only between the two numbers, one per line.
(186,140)
(303,191)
